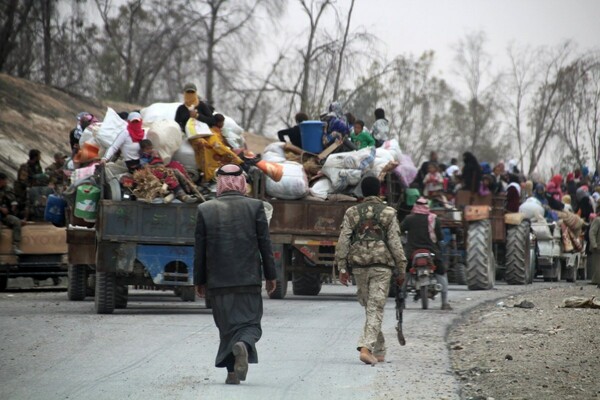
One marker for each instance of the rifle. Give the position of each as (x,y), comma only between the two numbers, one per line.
(399,309)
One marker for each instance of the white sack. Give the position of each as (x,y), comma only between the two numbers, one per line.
(321,188)
(159,112)
(383,154)
(406,171)
(111,127)
(293,184)
(360,159)
(394,147)
(532,209)
(185,155)
(274,152)
(341,178)
(166,138)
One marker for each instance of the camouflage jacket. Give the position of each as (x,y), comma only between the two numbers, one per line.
(7,199)
(370,235)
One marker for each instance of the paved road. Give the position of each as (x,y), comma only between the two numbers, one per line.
(161,348)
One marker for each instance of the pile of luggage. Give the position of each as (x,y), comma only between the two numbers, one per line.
(331,175)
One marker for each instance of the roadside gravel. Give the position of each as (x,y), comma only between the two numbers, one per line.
(547,352)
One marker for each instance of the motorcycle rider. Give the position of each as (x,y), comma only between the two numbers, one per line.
(424,232)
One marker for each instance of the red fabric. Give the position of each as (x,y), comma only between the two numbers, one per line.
(513,199)
(424,209)
(557,179)
(135,131)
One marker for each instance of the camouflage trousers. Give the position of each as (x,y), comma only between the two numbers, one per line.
(14,223)
(373,285)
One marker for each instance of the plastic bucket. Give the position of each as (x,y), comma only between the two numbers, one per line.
(86,202)
(55,210)
(311,133)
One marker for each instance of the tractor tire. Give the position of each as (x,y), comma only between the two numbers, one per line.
(207,303)
(121,296)
(3,283)
(518,247)
(104,298)
(281,270)
(481,268)
(188,293)
(456,273)
(77,282)
(306,283)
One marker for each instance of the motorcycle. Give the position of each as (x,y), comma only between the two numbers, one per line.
(421,279)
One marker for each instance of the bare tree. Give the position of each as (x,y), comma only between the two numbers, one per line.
(548,101)
(473,66)
(137,46)
(338,74)
(314,11)
(14,18)
(519,83)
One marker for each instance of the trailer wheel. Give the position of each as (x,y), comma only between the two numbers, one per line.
(188,293)
(306,283)
(104,299)
(77,282)
(3,283)
(281,263)
(480,256)
(90,280)
(518,254)
(460,274)
(121,296)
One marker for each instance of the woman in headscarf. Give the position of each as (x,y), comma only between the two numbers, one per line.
(128,142)
(193,107)
(594,249)
(232,253)
(584,202)
(471,173)
(513,194)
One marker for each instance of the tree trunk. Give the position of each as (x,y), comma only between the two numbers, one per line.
(336,86)
(47,28)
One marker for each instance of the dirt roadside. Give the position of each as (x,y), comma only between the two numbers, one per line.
(547,352)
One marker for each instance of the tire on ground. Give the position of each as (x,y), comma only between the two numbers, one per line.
(480,269)
(306,283)
(121,296)
(77,282)
(3,283)
(104,299)
(518,254)
(188,293)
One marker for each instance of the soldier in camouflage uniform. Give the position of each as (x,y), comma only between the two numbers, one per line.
(55,171)
(369,243)
(8,208)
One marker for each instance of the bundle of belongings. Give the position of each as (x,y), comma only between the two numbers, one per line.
(329,175)
(170,164)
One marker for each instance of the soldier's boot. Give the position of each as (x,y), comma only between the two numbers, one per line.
(446,306)
(367,357)
(232,379)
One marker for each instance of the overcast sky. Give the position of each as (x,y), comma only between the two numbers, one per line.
(414,26)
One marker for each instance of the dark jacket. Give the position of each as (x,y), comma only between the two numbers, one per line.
(232,242)
(205,114)
(293,133)
(417,227)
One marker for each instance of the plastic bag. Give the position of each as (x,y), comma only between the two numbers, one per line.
(111,127)
(185,155)
(195,128)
